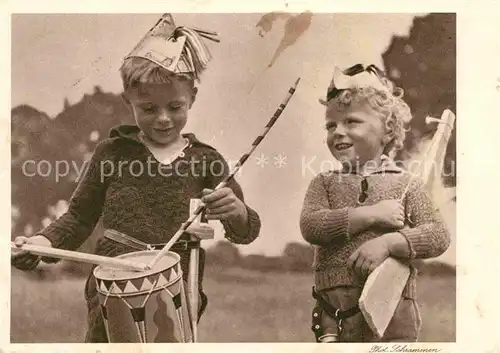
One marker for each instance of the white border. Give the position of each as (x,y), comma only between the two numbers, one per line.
(478,97)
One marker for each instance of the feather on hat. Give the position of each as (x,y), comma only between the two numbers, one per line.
(177,49)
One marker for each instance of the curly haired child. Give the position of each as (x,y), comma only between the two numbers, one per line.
(353,215)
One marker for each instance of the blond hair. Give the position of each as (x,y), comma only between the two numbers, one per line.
(136,71)
(389,104)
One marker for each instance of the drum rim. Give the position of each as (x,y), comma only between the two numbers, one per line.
(138,293)
(139,274)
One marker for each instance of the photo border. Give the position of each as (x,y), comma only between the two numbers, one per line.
(478,96)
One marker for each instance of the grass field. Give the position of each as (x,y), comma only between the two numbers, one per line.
(244,306)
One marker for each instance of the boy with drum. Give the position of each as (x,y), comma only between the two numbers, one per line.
(141,179)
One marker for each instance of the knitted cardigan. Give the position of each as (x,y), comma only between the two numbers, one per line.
(146,203)
(324,222)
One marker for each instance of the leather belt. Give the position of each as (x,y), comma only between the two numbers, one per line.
(124,239)
(333,312)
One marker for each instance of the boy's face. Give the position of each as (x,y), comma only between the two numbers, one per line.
(161,110)
(355,134)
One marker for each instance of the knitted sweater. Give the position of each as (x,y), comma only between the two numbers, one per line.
(324,222)
(149,204)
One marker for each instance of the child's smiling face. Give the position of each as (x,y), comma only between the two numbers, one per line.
(356,133)
(161,109)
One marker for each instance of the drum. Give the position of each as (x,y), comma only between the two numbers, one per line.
(144,307)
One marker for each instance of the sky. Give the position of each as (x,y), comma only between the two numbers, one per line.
(63,56)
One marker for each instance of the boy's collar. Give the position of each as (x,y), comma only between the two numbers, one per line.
(131,133)
(388,165)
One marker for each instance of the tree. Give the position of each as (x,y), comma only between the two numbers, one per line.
(223,253)
(263,263)
(66,103)
(42,141)
(298,257)
(424,65)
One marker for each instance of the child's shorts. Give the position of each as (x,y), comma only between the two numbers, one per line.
(96,331)
(404,326)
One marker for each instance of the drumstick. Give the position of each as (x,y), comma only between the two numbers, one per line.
(223,183)
(79,256)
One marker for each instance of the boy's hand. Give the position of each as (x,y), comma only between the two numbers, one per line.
(24,260)
(388,214)
(369,256)
(223,204)
(202,231)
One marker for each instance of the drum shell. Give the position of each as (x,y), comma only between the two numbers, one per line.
(145,307)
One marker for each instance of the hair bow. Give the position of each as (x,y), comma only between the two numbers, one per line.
(355,76)
(177,49)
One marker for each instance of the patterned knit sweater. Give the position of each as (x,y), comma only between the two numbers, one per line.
(148,203)
(324,222)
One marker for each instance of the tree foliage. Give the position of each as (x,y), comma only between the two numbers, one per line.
(424,65)
(40,144)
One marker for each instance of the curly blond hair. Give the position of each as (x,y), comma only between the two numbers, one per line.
(393,110)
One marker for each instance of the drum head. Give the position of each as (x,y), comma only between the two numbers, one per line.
(169,260)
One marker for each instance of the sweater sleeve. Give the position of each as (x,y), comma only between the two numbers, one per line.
(219,169)
(85,206)
(319,224)
(427,236)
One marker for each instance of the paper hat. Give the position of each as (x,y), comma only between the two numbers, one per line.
(355,76)
(177,49)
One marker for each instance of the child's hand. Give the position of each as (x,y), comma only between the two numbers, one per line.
(389,214)
(369,256)
(202,231)
(223,204)
(24,260)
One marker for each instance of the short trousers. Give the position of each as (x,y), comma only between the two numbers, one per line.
(404,326)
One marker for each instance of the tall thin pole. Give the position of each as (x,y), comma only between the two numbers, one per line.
(224,182)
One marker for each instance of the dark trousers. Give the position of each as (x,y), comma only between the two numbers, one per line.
(404,326)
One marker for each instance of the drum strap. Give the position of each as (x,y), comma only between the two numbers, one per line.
(124,239)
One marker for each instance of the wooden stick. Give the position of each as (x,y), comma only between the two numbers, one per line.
(231,175)
(194,260)
(193,275)
(437,150)
(79,256)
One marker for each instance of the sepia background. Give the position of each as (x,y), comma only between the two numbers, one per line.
(65,98)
